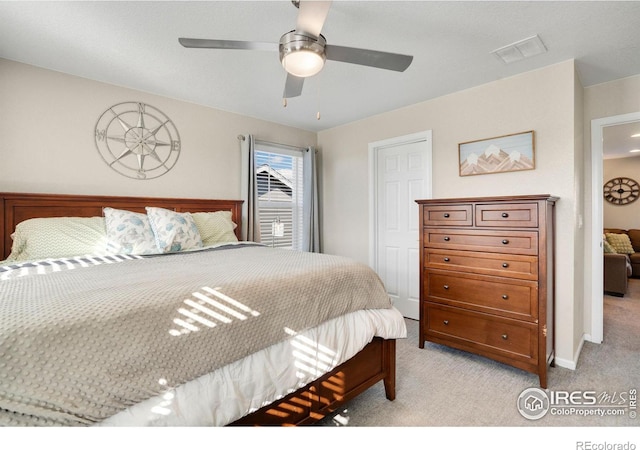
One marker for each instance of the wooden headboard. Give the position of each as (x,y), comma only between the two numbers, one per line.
(16,207)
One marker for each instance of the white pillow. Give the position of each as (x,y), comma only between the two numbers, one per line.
(58,237)
(215,227)
(129,232)
(173,231)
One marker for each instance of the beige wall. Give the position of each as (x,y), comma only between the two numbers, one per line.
(542,100)
(626,216)
(47,141)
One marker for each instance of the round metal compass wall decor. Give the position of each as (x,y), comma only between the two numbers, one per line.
(137,140)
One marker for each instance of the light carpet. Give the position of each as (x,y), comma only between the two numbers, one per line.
(439,387)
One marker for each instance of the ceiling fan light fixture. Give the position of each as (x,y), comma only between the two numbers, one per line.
(302,55)
(304,50)
(302,63)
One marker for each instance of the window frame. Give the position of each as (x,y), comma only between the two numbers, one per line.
(293,238)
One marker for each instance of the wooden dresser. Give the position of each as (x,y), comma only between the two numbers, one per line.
(486,279)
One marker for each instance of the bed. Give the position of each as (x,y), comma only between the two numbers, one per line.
(220,333)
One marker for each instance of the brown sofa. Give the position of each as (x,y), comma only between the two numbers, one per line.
(619,267)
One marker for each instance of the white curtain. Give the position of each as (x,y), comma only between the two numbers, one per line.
(310,220)
(249,190)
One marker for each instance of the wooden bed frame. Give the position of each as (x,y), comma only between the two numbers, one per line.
(375,363)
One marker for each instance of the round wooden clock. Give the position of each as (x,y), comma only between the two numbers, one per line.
(137,140)
(621,191)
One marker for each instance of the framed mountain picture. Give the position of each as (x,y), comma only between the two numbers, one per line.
(508,153)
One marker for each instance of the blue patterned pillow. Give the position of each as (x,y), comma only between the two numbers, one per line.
(129,232)
(173,231)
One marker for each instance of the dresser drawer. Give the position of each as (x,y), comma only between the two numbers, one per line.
(516,215)
(504,265)
(517,299)
(483,332)
(512,242)
(447,215)
(484,271)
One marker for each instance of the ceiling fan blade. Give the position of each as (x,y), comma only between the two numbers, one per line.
(231,45)
(372,58)
(311,16)
(293,86)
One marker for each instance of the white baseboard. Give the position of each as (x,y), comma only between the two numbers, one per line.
(589,338)
(571,364)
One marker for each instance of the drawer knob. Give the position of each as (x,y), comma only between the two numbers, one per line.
(505,337)
(505,241)
(446,215)
(446,286)
(446,322)
(446,259)
(447,238)
(505,296)
(505,265)
(505,215)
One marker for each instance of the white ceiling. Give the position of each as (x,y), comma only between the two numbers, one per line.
(618,141)
(135,44)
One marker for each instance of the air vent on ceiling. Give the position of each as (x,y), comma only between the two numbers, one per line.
(517,51)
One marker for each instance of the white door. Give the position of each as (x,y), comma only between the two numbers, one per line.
(402,175)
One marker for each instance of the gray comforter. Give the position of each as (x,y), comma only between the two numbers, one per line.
(78,344)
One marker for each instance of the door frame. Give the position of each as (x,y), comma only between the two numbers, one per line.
(373,182)
(597,266)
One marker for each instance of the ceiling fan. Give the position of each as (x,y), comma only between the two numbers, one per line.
(303,51)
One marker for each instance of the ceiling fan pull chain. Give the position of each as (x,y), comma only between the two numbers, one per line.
(318,97)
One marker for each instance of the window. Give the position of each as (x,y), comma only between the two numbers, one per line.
(280,192)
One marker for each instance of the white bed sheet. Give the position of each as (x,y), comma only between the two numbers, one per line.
(225,395)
